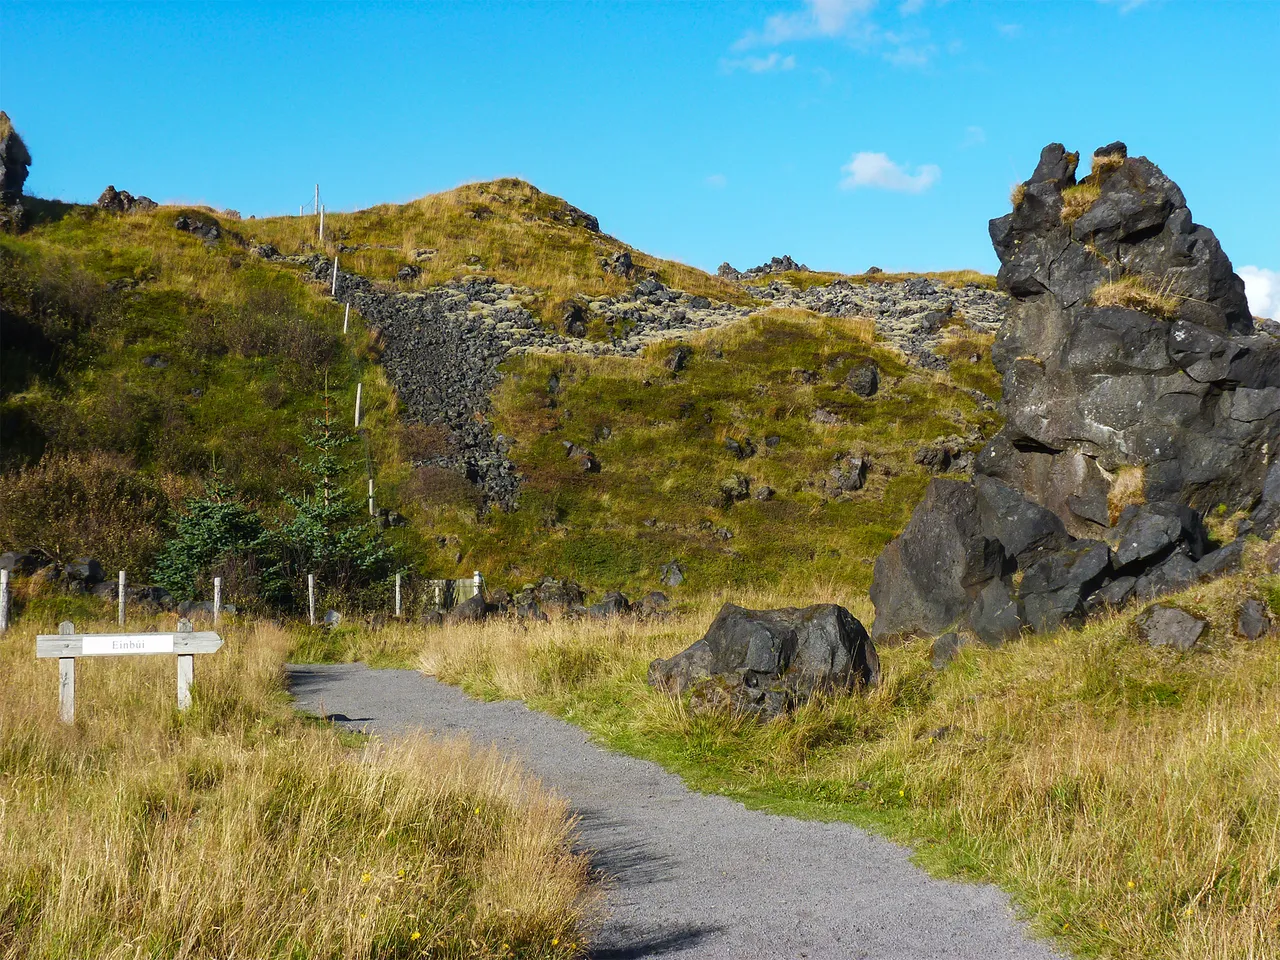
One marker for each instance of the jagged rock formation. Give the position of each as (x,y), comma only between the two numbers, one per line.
(14,161)
(783,264)
(765,662)
(1137,395)
(122,201)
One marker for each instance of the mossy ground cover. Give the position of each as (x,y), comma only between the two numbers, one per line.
(660,438)
(1127,797)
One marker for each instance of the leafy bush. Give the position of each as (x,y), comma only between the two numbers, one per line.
(92,504)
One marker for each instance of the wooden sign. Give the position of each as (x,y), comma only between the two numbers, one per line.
(66,645)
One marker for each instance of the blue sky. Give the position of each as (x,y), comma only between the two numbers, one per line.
(843,132)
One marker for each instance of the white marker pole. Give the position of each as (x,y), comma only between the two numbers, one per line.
(300,206)
(359,390)
(120,600)
(334,291)
(4,600)
(371,496)
(311,596)
(346,318)
(479,583)
(217,599)
(397,596)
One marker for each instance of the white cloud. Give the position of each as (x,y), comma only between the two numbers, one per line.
(973,137)
(1262,287)
(717,181)
(1125,5)
(908,7)
(819,18)
(905,55)
(876,171)
(774,61)
(1009,30)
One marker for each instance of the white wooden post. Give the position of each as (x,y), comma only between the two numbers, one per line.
(67,678)
(359,391)
(311,596)
(371,511)
(479,582)
(186,669)
(300,206)
(346,317)
(439,595)
(217,599)
(397,596)
(334,291)
(4,600)
(322,225)
(120,599)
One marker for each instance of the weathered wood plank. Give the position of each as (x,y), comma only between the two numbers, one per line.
(125,644)
(186,677)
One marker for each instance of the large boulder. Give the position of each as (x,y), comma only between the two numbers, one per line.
(765,662)
(14,161)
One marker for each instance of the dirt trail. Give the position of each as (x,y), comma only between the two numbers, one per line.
(693,876)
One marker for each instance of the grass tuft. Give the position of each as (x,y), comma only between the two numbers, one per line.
(1076,200)
(1135,293)
(1128,489)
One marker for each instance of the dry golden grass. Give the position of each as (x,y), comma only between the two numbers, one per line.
(1128,797)
(1135,293)
(1104,164)
(1018,194)
(1077,200)
(239,830)
(507,229)
(1128,489)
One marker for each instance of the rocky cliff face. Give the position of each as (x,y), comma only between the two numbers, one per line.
(1137,395)
(1128,344)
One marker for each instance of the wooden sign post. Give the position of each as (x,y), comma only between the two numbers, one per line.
(67,645)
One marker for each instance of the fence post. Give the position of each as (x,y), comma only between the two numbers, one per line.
(186,669)
(371,510)
(120,599)
(311,597)
(4,600)
(359,392)
(479,581)
(67,679)
(397,596)
(346,317)
(217,599)
(334,291)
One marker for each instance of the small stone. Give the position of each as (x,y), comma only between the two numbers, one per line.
(1254,621)
(1166,626)
(945,649)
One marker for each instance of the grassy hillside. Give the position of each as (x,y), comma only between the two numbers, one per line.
(661,440)
(153,358)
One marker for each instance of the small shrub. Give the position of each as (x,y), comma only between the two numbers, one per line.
(1018,195)
(1104,164)
(75,505)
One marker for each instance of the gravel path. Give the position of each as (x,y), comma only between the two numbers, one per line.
(693,876)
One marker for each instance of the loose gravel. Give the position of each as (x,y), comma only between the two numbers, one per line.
(689,875)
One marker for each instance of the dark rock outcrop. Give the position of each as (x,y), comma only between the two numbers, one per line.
(765,662)
(1129,344)
(1154,389)
(122,201)
(14,161)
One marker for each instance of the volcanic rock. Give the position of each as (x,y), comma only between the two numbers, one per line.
(14,161)
(765,662)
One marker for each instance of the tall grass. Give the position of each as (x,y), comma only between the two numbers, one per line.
(239,830)
(1129,798)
